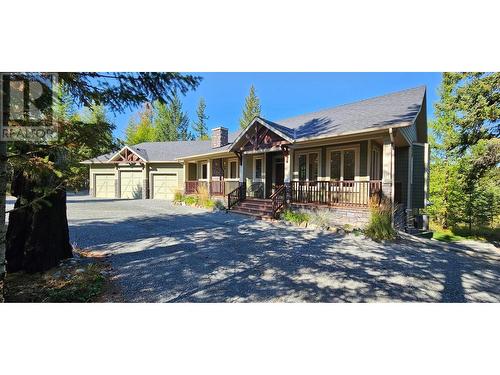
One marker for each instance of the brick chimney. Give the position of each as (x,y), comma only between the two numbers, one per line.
(219,137)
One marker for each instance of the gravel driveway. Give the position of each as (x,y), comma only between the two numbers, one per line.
(165,253)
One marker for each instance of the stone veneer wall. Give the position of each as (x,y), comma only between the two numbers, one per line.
(340,216)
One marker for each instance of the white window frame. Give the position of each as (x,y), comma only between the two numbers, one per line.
(262,169)
(329,151)
(229,178)
(307,153)
(201,171)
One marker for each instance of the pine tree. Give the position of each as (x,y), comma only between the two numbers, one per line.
(251,109)
(164,125)
(171,123)
(200,125)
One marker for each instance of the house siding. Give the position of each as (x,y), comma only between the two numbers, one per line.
(401,174)
(418,182)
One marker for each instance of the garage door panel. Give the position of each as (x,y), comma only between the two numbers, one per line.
(164,186)
(105,185)
(131,184)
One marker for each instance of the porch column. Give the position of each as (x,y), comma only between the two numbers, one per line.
(209,176)
(242,171)
(388,168)
(287,179)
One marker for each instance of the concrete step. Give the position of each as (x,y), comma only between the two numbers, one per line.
(256,205)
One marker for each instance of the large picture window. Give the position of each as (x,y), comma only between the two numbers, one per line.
(308,164)
(344,164)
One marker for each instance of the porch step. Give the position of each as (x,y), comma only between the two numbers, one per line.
(259,208)
(265,215)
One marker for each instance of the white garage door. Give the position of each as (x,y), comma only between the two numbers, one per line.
(164,186)
(131,185)
(105,185)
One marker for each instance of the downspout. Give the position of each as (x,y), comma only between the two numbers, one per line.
(393,167)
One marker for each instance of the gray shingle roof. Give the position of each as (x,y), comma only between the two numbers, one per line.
(381,112)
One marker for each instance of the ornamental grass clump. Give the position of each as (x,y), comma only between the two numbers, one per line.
(203,196)
(380,225)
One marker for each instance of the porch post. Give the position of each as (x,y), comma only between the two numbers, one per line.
(387,168)
(287,159)
(209,177)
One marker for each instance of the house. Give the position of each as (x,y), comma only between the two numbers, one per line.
(335,158)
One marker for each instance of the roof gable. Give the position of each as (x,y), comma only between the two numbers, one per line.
(129,155)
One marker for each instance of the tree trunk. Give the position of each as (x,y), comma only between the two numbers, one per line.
(37,235)
(3,188)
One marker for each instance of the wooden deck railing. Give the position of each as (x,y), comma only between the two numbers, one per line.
(217,188)
(335,193)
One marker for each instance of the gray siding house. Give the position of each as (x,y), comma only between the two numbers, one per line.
(335,158)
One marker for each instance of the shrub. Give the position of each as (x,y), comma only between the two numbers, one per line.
(191,200)
(219,205)
(295,216)
(321,218)
(178,197)
(380,225)
(203,196)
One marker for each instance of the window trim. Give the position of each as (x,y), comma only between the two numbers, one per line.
(329,151)
(306,153)
(201,171)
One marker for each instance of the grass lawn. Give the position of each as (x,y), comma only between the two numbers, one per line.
(460,234)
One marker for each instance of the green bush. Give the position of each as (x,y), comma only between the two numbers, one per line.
(380,225)
(320,217)
(178,197)
(219,205)
(191,200)
(295,216)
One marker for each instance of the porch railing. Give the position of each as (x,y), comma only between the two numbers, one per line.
(217,188)
(237,195)
(335,193)
(278,199)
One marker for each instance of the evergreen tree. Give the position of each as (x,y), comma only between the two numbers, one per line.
(251,109)
(171,122)
(140,129)
(165,129)
(200,125)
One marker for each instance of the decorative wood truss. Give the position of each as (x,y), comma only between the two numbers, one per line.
(126,156)
(262,138)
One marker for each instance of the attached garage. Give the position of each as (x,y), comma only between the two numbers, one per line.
(131,184)
(105,185)
(164,186)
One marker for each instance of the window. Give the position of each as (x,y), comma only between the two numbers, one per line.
(335,161)
(308,166)
(258,169)
(233,169)
(349,167)
(192,172)
(302,167)
(204,170)
(344,164)
(375,164)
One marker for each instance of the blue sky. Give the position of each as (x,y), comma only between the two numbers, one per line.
(288,94)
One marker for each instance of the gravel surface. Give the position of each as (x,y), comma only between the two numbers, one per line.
(165,253)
